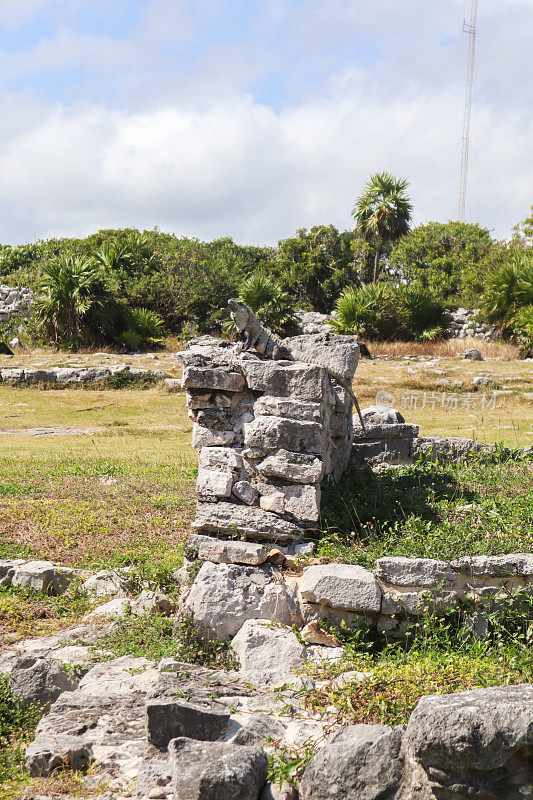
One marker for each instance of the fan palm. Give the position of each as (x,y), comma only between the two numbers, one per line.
(267,299)
(73,293)
(383,211)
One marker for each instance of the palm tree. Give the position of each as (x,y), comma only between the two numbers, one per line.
(383,211)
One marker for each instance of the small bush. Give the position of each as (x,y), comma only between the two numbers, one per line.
(17,725)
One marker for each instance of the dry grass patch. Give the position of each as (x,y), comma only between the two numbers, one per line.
(446,348)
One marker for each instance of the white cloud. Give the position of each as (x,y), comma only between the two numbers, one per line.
(238,168)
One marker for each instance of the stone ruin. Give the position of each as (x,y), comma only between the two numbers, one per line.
(267,432)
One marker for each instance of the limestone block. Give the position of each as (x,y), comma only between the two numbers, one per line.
(219,457)
(265,434)
(221,770)
(43,576)
(246,492)
(359,761)
(228,551)
(289,408)
(208,437)
(339,353)
(472,744)
(208,378)
(214,483)
(200,400)
(516,564)
(380,415)
(167,718)
(282,379)
(258,729)
(40,680)
(303,502)
(345,586)
(294,467)
(385,431)
(427,573)
(267,653)
(234,520)
(224,596)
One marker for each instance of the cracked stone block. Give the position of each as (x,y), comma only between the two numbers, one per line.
(219,457)
(267,653)
(345,586)
(231,519)
(293,467)
(281,379)
(229,551)
(207,378)
(214,483)
(167,719)
(43,576)
(421,572)
(274,433)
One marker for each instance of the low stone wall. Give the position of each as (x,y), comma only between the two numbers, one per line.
(267,432)
(13,300)
(33,375)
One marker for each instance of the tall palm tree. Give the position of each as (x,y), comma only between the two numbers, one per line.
(383,211)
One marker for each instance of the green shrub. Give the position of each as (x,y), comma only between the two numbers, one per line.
(508,294)
(264,295)
(17,725)
(141,327)
(387,311)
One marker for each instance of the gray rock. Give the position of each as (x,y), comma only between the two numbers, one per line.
(426,572)
(254,523)
(301,502)
(286,407)
(338,352)
(345,586)
(281,379)
(380,415)
(152,602)
(224,596)
(8,567)
(43,576)
(49,754)
(506,566)
(387,431)
(473,354)
(259,728)
(207,378)
(219,457)
(265,434)
(229,551)
(293,467)
(473,744)
(267,653)
(216,770)
(167,719)
(482,380)
(154,781)
(16,344)
(456,448)
(114,609)
(208,437)
(245,491)
(105,582)
(40,680)
(360,761)
(214,483)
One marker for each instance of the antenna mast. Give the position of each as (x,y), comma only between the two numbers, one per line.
(471,30)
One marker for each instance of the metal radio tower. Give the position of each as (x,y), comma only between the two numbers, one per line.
(469,28)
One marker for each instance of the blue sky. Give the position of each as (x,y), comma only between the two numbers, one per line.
(252,119)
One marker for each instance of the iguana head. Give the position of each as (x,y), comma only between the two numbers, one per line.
(240,313)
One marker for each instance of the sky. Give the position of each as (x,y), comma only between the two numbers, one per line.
(254,118)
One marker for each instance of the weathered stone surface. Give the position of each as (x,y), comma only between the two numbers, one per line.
(254,523)
(381,451)
(259,728)
(313,633)
(103,719)
(338,352)
(286,407)
(362,762)
(152,602)
(505,566)
(473,354)
(389,430)
(219,457)
(155,780)
(282,379)
(267,653)
(209,437)
(111,610)
(106,582)
(445,449)
(245,491)
(214,483)
(8,567)
(294,467)
(265,434)
(421,572)
(49,754)
(221,770)
(43,576)
(224,596)
(343,586)
(40,680)
(303,502)
(167,719)
(229,551)
(380,415)
(273,791)
(207,378)
(473,744)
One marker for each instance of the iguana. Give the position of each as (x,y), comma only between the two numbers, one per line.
(259,337)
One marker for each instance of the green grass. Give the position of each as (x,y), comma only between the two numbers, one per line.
(429,510)
(17,726)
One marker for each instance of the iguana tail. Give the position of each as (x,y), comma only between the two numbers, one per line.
(346,385)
